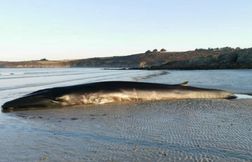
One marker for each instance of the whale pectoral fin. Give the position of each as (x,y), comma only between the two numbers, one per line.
(184,83)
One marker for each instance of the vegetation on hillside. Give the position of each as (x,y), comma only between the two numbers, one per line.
(211,58)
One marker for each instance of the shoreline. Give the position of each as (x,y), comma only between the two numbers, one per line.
(218,58)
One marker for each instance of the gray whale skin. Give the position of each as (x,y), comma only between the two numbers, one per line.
(110,92)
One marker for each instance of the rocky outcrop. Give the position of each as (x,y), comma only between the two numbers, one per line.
(245,58)
(233,60)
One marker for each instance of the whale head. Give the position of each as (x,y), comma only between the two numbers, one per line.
(29,102)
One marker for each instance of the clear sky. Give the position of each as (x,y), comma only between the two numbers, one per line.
(71,29)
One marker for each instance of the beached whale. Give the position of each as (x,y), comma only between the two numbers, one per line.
(112,91)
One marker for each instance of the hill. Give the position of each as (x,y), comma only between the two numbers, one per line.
(198,59)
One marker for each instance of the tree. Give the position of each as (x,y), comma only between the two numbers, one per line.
(43,59)
(237,48)
(163,50)
(155,50)
(200,49)
(149,51)
(227,49)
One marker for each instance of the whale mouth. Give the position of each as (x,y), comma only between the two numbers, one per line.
(6,109)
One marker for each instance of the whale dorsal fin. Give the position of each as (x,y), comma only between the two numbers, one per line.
(184,83)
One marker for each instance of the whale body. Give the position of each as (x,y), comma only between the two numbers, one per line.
(110,92)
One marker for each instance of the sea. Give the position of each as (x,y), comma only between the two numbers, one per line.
(182,130)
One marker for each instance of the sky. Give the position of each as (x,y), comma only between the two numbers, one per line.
(74,29)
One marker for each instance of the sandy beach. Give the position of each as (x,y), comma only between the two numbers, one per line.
(176,130)
(186,130)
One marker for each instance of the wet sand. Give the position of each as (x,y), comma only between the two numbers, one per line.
(185,130)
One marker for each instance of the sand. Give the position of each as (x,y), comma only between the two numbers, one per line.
(185,130)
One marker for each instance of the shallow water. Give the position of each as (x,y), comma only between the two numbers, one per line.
(186,130)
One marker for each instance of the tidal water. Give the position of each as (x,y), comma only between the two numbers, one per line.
(184,130)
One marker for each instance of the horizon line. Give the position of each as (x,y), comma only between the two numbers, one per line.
(159,50)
